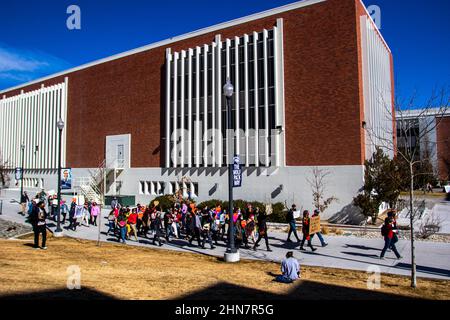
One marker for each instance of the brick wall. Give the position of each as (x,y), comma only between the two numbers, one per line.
(323,92)
(443,147)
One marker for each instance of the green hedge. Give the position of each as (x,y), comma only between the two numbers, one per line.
(165,202)
(278,214)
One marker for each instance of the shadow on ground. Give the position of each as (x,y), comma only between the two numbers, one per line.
(301,290)
(60,294)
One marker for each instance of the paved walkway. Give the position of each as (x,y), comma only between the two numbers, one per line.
(346,252)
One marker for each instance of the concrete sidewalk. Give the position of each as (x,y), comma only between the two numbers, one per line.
(344,252)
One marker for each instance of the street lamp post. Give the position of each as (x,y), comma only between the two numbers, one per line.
(58,231)
(22,149)
(231,254)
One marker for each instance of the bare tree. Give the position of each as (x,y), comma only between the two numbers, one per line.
(412,132)
(318,184)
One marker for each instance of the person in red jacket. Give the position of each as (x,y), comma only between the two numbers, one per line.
(388,231)
(305,231)
(132,220)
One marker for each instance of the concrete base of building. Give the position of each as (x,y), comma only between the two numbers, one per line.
(231,256)
(269,185)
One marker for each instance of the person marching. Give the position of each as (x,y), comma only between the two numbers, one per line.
(196,227)
(388,231)
(132,220)
(158,229)
(391,214)
(250,228)
(24,200)
(95,211)
(305,230)
(207,223)
(292,226)
(122,222)
(319,234)
(262,230)
(37,219)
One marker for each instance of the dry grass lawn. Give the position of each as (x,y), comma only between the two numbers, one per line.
(126,272)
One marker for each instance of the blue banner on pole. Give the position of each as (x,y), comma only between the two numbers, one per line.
(18,174)
(237,172)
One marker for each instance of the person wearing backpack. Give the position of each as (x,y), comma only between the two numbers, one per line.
(388,231)
(391,214)
(292,226)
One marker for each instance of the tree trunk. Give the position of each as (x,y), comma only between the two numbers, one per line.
(411,217)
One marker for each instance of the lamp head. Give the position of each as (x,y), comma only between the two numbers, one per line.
(60,124)
(228,89)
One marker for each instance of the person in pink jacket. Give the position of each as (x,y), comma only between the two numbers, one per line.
(95,211)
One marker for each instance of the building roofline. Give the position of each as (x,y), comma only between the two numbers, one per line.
(223,25)
(376,27)
(415,113)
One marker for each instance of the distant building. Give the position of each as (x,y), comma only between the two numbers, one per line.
(435,145)
(308,77)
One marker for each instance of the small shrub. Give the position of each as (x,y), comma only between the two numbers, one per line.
(165,202)
(325,230)
(336,231)
(211,203)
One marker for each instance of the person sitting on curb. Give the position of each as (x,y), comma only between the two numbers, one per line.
(290,269)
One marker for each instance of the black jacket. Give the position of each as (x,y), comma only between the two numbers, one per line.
(262,222)
(24,198)
(34,216)
(290,216)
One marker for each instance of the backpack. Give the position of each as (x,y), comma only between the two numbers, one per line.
(384,231)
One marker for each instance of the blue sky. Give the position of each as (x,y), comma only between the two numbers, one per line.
(35,42)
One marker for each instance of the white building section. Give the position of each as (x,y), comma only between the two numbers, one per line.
(30,118)
(254,65)
(377,89)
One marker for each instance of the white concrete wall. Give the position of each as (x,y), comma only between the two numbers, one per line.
(258,184)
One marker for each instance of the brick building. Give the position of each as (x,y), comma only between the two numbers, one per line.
(308,77)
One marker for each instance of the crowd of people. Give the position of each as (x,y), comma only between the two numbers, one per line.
(185,221)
